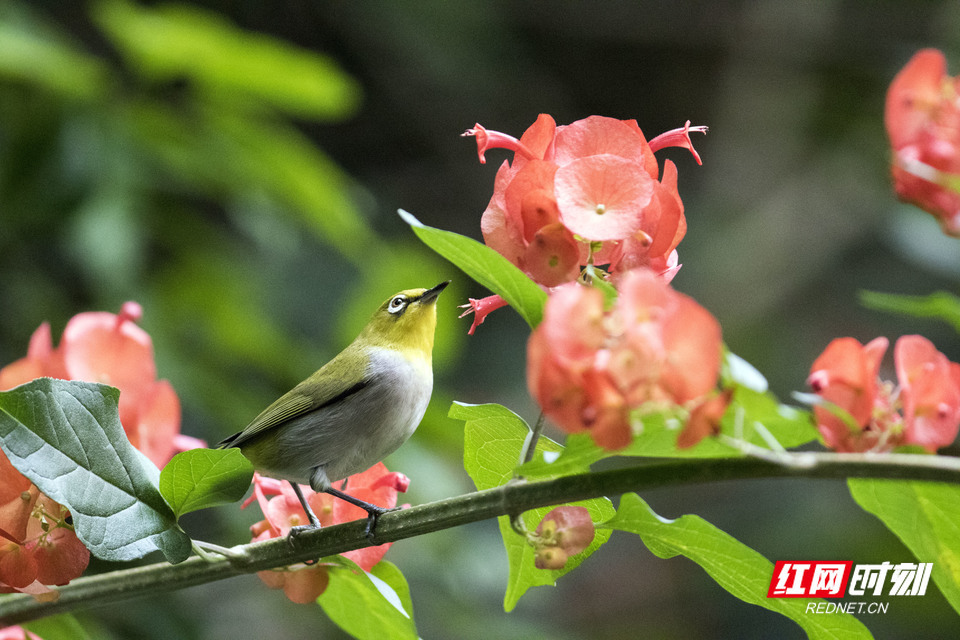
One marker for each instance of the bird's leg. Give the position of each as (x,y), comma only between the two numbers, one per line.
(319,482)
(373,511)
(314,521)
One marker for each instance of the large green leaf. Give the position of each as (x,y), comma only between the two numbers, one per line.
(940,304)
(486,266)
(369,606)
(926,517)
(202,478)
(736,567)
(277,157)
(176,40)
(66,437)
(493,440)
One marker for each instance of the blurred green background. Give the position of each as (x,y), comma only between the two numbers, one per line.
(236,167)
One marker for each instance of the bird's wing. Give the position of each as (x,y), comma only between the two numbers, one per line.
(310,395)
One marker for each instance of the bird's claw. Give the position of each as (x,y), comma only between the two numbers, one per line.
(295,533)
(373,515)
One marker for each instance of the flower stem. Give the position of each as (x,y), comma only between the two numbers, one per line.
(530,444)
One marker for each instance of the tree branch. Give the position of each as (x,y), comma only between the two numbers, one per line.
(510,499)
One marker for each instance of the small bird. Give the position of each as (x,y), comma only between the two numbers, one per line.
(355,410)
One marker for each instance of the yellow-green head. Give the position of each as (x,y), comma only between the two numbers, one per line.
(405,322)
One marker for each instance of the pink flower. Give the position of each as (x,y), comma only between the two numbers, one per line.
(589,368)
(37,545)
(929,393)
(705,419)
(923,123)
(112,349)
(282,512)
(17,633)
(924,410)
(585,193)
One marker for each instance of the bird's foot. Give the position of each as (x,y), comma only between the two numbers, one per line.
(373,515)
(295,533)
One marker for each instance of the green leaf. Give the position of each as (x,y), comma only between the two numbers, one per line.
(486,266)
(940,305)
(66,437)
(61,627)
(393,577)
(734,566)
(926,517)
(280,159)
(28,54)
(370,606)
(521,556)
(174,41)
(658,432)
(202,478)
(493,441)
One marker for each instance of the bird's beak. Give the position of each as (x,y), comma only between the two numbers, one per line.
(431,294)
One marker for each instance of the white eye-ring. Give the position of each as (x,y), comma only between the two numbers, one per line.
(397,304)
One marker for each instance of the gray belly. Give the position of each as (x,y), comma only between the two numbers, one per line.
(362,429)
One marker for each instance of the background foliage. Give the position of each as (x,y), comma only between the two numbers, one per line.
(236,168)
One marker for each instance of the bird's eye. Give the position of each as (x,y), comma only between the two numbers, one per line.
(397,304)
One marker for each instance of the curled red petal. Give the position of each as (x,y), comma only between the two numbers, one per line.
(480,308)
(394,480)
(679,138)
(487,140)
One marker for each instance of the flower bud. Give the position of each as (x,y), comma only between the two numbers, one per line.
(568,528)
(551,558)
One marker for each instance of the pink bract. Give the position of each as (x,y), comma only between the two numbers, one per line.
(588,368)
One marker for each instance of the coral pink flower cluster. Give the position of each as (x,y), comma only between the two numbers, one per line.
(98,346)
(37,545)
(923,124)
(585,193)
(924,410)
(589,369)
(304,583)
